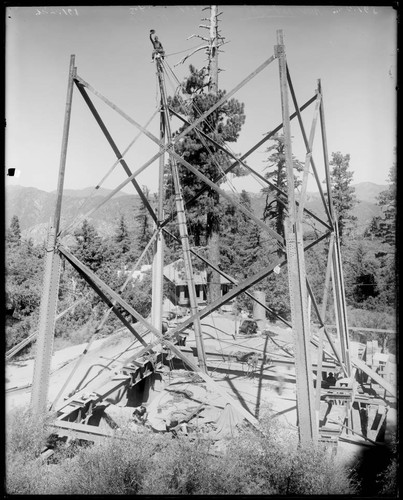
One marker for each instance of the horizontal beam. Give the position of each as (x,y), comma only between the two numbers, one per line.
(362,329)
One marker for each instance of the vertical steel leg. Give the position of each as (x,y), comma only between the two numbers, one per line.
(308,431)
(44,343)
(299,316)
(52,273)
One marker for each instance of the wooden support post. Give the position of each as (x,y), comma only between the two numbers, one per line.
(47,318)
(308,432)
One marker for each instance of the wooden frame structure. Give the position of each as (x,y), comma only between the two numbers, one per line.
(307,399)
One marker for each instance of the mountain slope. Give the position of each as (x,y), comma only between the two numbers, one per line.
(35,208)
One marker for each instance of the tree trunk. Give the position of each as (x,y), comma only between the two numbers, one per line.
(213,242)
(213,56)
(213,221)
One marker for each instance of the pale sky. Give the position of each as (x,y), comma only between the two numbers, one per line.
(351,49)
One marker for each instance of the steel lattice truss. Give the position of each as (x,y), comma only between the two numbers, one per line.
(299,284)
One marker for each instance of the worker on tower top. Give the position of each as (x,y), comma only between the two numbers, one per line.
(158,48)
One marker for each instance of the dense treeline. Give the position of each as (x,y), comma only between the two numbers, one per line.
(368,263)
(110,257)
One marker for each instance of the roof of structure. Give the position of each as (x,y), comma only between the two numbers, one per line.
(175,272)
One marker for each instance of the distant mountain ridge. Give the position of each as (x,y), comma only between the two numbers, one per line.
(88,191)
(35,207)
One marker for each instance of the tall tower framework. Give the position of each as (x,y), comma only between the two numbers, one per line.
(150,334)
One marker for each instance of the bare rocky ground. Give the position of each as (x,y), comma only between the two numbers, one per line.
(270,387)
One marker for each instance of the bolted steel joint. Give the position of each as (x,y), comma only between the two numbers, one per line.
(279,50)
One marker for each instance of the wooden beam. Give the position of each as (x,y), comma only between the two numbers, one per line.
(372,373)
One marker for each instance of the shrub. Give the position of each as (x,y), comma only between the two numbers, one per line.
(272,463)
(260,463)
(25,439)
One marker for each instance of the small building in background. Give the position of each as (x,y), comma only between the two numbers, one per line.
(178,293)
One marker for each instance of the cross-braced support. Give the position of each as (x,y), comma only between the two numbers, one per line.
(299,284)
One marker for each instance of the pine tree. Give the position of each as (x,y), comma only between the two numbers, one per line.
(276,203)
(89,249)
(13,234)
(223,125)
(240,240)
(343,194)
(122,236)
(387,202)
(24,275)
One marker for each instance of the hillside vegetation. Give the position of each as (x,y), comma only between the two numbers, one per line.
(369,267)
(35,207)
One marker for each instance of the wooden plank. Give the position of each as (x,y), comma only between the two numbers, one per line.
(372,430)
(90,429)
(82,431)
(338,391)
(391,389)
(369,353)
(355,420)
